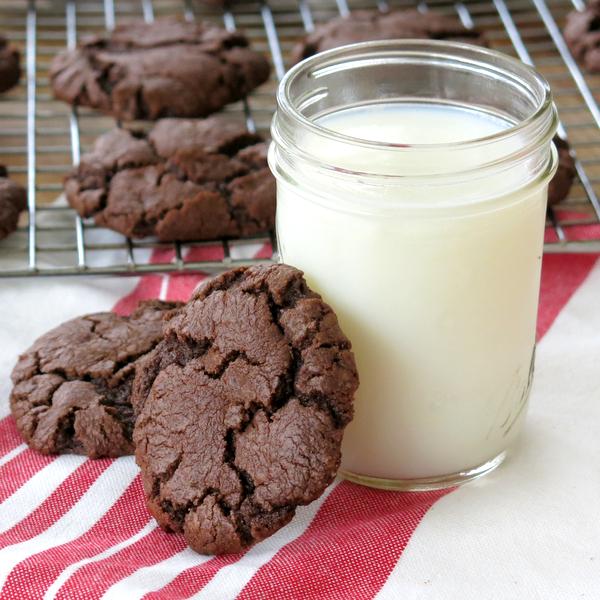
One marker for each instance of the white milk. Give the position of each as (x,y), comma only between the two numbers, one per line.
(410,123)
(440,309)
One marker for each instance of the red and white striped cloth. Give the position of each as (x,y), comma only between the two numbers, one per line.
(77,528)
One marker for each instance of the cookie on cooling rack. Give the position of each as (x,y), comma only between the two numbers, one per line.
(163,69)
(560,184)
(184,180)
(367,25)
(13,200)
(10,71)
(242,408)
(215,3)
(72,387)
(582,34)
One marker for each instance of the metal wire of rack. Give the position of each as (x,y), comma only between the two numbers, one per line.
(40,138)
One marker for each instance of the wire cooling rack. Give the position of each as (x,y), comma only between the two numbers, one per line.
(40,138)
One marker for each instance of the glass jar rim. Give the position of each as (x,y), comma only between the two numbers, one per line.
(440,50)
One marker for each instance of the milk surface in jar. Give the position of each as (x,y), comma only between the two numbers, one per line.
(435,280)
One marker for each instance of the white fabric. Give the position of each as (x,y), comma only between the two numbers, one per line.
(71,569)
(230,580)
(152,578)
(531,529)
(28,497)
(8,457)
(100,496)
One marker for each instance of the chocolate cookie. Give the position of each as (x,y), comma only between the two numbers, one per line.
(184,180)
(367,25)
(582,34)
(163,69)
(10,71)
(242,408)
(72,387)
(561,183)
(13,200)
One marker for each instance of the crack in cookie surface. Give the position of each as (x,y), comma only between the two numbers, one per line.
(257,412)
(167,68)
(183,180)
(72,387)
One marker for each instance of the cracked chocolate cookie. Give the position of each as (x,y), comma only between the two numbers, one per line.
(167,68)
(13,200)
(242,408)
(185,180)
(10,70)
(561,183)
(367,25)
(72,387)
(582,34)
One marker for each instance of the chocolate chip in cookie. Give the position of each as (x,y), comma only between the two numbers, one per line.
(72,387)
(369,25)
(10,70)
(13,200)
(167,68)
(242,408)
(184,180)
(582,34)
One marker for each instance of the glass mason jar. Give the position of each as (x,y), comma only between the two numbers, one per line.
(430,253)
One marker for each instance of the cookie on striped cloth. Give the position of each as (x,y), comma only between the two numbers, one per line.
(242,408)
(72,386)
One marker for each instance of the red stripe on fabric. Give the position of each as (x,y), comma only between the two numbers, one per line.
(124,519)
(581,233)
(266,252)
(192,580)
(55,505)
(16,472)
(148,287)
(550,236)
(93,580)
(202,253)
(578,232)
(10,437)
(570,215)
(181,285)
(562,275)
(349,549)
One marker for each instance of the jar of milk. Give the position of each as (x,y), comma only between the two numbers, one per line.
(411,189)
